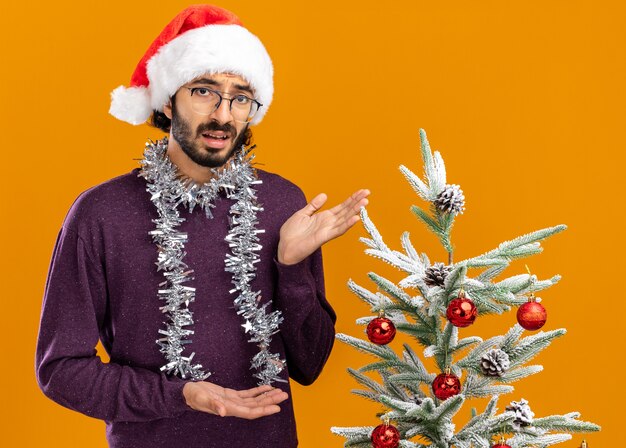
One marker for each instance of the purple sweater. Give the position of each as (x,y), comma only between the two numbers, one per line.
(102,285)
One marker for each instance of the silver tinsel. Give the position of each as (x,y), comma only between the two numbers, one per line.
(167,190)
(523,414)
(451,200)
(495,362)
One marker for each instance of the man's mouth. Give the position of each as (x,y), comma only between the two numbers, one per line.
(215,139)
(216,135)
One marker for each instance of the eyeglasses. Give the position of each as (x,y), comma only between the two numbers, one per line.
(205,101)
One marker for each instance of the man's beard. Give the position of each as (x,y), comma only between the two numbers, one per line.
(182,133)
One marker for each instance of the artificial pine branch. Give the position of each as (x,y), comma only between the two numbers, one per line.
(372,396)
(530,346)
(409,444)
(517,374)
(381,351)
(541,441)
(566,422)
(367,381)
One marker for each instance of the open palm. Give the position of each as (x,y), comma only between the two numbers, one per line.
(305,231)
(249,404)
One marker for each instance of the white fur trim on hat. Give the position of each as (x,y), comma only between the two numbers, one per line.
(131,104)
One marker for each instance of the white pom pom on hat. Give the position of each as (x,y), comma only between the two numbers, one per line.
(200,39)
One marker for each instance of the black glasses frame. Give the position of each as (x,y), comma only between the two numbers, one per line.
(222,98)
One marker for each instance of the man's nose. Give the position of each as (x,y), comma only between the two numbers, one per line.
(222,113)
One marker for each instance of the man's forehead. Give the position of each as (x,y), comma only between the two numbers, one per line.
(222,76)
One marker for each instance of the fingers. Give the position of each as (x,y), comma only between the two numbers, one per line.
(348,207)
(358,200)
(342,226)
(270,397)
(315,204)
(255,407)
(346,224)
(253,392)
(251,413)
(251,403)
(336,221)
(347,213)
(351,205)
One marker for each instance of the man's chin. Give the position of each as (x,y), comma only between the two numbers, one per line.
(212,157)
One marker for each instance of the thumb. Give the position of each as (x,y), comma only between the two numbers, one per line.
(218,407)
(221,410)
(315,204)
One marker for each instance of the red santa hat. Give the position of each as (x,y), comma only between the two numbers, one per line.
(200,39)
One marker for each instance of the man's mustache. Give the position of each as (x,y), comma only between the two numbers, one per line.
(215,126)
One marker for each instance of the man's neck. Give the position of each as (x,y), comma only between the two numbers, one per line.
(187,167)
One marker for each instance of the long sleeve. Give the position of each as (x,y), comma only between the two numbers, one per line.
(67,368)
(308,329)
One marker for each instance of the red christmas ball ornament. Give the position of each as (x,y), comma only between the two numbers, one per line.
(385,436)
(381,330)
(532,315)
(461,311)
(446,385)
(501,444)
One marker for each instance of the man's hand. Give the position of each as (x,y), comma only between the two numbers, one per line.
(252,403)
(305,231)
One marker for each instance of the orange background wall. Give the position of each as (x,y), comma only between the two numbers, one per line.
(525,100)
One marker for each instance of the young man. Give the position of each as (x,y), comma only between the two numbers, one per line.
(201,276)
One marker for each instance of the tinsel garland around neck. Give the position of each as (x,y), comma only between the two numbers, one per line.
(168,189)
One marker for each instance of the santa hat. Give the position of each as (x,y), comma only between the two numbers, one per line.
(200,39)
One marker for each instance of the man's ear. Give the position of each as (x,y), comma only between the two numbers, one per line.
(167,109)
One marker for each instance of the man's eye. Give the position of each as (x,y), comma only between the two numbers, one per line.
(242,99)
(202,91)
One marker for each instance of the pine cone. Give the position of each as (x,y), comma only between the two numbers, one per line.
(495,362)
(436,274)
(451,199)
(523,414)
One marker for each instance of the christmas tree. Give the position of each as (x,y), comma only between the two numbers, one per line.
(430,304)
